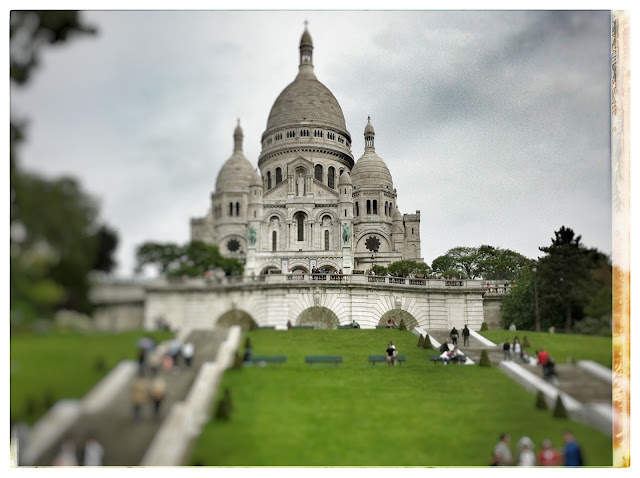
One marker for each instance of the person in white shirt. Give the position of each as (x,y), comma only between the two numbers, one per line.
(93,452)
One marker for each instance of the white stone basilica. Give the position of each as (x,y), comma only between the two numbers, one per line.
(310,207)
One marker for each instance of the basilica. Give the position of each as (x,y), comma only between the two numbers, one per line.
(308,206)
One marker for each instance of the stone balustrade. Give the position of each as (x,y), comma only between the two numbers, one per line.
(313,279)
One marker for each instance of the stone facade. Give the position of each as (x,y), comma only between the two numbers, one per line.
(317,299)
(310,206)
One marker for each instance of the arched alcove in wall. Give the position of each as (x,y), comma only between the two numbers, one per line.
(319,317)
(236,317)
(397,315)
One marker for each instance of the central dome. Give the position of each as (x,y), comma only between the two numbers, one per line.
(306,100)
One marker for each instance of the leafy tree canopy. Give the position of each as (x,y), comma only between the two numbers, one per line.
(485,262)
(408,267)
(193,259)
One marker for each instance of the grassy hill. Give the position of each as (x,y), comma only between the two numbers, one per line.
(415,414)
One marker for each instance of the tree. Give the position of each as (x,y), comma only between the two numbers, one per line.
(407,267)
(485,261)
(193,259)
(56,238)
(565,275)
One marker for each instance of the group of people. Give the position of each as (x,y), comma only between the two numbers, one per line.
(571,454)
(515,350)
(148,390)
(316,270)
(93,453)
(449,353)
(453,335)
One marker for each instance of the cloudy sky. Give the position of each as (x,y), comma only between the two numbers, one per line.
(495,125)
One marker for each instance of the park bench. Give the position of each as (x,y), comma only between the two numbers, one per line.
(385,327)
(383,358)
(323,358)
(458,359)
(267,359)
(303,327)
(265,327)
(345,327)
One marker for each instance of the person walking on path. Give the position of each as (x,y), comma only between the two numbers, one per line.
(572,452)
(187,353)
(454,336)
(139,396)
(93,451)
(158,390)
(506,347)
(502,452)
(67,454)
(465,336)
(174,351)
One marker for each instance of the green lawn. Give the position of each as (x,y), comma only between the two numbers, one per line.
(415,414)
(47,368)
(560,346)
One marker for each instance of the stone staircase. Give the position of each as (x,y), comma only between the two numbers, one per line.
(125,442)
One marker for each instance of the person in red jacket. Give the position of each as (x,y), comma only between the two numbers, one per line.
(549,456)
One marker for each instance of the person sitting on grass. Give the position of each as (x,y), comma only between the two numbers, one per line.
(456,354)
(446,356)
(391,353)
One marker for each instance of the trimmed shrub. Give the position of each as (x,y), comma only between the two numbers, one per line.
(402,325)
(100,365)
(484,326)
(559,411)
(541,403)
(421,341)
(427,343)
(484,359)
(237,361)
(225,406)
(525,342)
(248,344)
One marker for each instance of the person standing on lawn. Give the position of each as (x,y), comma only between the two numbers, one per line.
(572,452)
(549,456)
(502,452)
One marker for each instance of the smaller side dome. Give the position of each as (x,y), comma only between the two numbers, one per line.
(345,179)
(237,172)
(257,179)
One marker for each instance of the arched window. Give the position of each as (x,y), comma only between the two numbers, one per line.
(254,213)
(274,241)
(230,209)
(357,209)
(278,176)
(375,206)
(345,213)
(331,177)
(317,172)
(300,217)
(268,179)
(237,209)
(386,208)
(368,206)
(326,240)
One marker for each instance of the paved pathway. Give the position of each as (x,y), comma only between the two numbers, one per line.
(125,442)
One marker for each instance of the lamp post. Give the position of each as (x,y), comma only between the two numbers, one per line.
(534,269)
